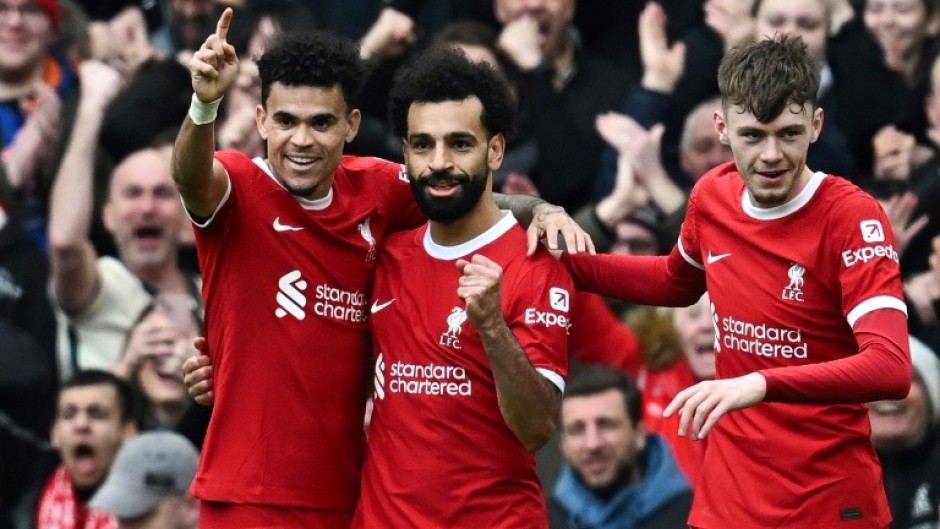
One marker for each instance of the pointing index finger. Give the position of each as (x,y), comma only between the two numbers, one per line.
(221,29)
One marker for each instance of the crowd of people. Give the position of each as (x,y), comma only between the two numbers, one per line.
(372,196)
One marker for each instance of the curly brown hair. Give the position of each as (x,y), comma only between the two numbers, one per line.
(767,76)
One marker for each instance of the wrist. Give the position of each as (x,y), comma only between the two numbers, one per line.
(658,83)
(203,113)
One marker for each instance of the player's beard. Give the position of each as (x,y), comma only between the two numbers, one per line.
(454,207)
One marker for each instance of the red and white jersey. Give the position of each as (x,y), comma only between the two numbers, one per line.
(440,453)
(787,285)
(285,285)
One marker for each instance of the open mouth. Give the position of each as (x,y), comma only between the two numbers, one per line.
(301,161)
(704,349)
(148,233)
(84,457)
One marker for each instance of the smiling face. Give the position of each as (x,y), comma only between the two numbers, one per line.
(144,213)
(599,440)
(449,157)
(771,157)
(26,33)
(899,26)
(306,128)
(88,432)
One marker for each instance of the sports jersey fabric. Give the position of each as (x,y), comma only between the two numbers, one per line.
(285,282)
(440,453)
(809,294)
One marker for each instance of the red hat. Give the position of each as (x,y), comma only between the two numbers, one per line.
(51,7)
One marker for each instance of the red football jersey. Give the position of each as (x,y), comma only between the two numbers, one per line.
(285,282)
(808,294)
(440,453)
(787,285)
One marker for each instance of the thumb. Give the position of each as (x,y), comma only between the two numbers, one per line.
(678,51)
(656,134)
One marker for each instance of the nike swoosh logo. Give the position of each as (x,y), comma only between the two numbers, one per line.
(715,258)
(376,306)
(283,227)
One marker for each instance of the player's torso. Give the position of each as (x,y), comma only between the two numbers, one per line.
(430,362)
(773,284)
(439,452)
(286,285)
(776,289)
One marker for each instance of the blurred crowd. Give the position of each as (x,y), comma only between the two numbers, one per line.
(99,287)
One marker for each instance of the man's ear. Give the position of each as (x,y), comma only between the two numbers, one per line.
(721,127)
(260,115)
(353,120)
(107,216)
(818,118)
(496,149)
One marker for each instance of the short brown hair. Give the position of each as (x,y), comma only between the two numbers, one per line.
(765,77)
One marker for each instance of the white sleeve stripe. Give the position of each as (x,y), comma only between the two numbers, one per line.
(688,258)
(204,223)
(553,377)
(873,304)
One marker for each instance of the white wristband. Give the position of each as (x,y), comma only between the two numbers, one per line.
(203,113)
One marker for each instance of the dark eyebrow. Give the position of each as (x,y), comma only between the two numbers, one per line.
(794,128)
(461,135)
(323,116)
(419,136)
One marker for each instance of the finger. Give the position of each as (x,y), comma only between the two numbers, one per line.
(225,21)
(204,69)
(532,239)
(190,365)
(201,374)
(201,345)
(551,237)
(685,418)
(205,400)
(702,413)
(677,402)
(589,244)
(485,262)
(916,226)
(718,412)
(571,239)
(229,52)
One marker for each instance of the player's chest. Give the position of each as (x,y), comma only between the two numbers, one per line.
(769,267)
(416,310)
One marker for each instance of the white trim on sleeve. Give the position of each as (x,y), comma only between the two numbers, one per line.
(553,377)
(873,304)
(688,258)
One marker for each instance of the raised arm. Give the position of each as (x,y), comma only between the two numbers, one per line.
(74,274)
(201,180)
(527,400)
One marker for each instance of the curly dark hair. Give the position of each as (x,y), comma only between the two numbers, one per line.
(765,77)
(442,73)
(312,59)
